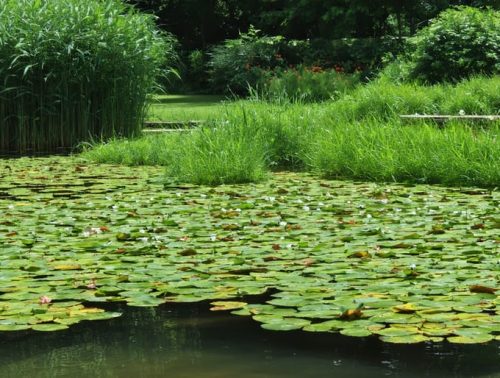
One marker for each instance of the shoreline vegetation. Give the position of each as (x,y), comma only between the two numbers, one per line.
(358,136)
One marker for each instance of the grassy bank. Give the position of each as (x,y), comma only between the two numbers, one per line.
(359,136)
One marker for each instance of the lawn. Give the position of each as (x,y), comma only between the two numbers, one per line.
(180,108)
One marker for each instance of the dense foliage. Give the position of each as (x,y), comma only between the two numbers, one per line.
(212,21)
(72,70)
(350,34)
(254,60)
(237,64)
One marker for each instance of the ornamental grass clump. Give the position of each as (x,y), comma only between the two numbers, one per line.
(74,70)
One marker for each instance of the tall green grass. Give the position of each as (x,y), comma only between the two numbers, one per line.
(71,70)
(375,151)
(360,136)
(223,154)
(384,100)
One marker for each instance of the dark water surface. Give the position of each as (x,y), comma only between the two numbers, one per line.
(189,341)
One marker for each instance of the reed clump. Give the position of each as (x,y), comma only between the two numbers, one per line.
(74,70)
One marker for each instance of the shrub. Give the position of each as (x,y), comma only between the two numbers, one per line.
(73,70)
(238,64)
(460,43)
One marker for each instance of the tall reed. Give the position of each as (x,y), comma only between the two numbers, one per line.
(73,70)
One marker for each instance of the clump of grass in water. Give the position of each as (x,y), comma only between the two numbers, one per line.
(72,70)
(225,154)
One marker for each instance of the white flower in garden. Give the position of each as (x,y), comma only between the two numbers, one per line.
(306,208)
(461,112)
(213,237)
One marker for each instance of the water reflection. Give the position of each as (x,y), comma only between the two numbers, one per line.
(188,341)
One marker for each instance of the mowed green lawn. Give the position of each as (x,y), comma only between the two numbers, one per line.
(185,107)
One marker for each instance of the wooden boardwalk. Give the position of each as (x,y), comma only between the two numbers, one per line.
(158,127)
(446,118)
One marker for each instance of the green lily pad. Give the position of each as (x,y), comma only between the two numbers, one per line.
(409,339)
(477,339)
(356,332)
(285,324)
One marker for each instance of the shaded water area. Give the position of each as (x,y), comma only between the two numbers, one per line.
(189,341)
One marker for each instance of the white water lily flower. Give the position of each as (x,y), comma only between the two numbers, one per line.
(413,266)
(283,224)
(213,237)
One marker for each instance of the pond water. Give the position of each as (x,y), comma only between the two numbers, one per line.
(189,341)
(350,270)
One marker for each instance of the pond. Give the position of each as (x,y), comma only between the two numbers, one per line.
(189,341)
(308,260)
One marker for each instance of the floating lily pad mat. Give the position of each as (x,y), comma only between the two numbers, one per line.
(407,264)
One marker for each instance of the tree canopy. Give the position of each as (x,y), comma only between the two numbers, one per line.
(201,23)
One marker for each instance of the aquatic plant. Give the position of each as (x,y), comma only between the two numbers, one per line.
(73,70)
(404,263)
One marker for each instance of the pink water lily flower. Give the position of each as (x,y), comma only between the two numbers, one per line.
(92,285)
(45,300)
